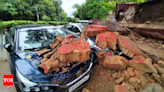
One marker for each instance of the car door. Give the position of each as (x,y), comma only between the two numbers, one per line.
(11,55)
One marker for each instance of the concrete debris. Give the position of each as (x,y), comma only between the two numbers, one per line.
(111,26)
(158,78)
(152,87)
(129,15)
(150,79)
(129,48)
(118,81)
(152,52)
(144,65)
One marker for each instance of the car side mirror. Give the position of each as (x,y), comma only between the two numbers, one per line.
(8,47)
(78,34)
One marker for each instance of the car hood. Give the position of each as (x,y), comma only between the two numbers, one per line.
(27,64)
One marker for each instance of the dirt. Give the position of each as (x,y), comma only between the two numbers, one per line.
(100,81)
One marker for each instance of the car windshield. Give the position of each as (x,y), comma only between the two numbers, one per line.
(32,39)
(81,26)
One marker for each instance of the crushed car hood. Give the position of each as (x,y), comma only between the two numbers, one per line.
(27,63)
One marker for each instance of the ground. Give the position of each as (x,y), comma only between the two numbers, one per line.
(5,69)
(100,81)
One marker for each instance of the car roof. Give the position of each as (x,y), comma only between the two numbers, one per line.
(30,26)
(76,24)
(85,21)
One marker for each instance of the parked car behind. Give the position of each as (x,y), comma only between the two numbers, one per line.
(24,41)
(73,28)
(76,29)
(84,22)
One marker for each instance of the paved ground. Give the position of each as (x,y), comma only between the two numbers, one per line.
(5,70)
(100,81)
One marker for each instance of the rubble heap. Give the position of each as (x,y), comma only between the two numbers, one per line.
(144,65)
(64,51)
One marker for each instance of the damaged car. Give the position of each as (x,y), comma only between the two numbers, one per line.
(23,42)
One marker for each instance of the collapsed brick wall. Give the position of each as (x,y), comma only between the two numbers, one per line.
(64,52)
(153,13)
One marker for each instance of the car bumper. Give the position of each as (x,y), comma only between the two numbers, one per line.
(23,82)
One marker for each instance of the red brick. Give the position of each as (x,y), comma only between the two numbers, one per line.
(136,73)
(115,62)
(122,88)
(41,52)
(130,71)
(50,63)
(106,39)
(128,47)
(74,50)
(126,73)
(69,36)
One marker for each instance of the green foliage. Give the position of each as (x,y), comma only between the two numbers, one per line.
(45,18)
(69,19)
(41,22)
(26,10)
(8,24)
(54,23)
(94,9)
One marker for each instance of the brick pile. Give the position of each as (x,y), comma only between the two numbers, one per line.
(64,52)
(144,65)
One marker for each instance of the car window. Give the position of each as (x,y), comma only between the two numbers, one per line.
(69,27)
(11,35)
(76,30)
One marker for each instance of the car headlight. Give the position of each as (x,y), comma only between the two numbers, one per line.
(24,80)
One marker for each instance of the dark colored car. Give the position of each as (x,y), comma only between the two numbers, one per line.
(23,42)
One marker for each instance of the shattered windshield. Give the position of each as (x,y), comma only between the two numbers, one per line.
(32,39)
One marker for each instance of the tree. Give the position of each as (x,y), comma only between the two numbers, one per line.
(69,19)
(92,9)
(45,18)
(26,9)
(63,15)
